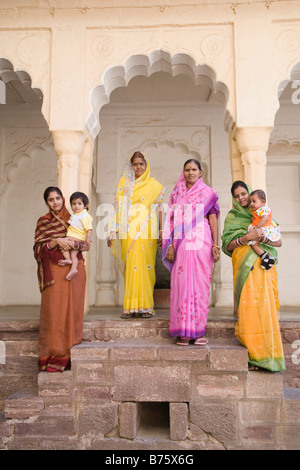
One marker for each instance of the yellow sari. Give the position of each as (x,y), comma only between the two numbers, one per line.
(255,296)
(136,226)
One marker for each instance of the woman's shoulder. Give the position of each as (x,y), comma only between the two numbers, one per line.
(156,183)
(210,190)
(43,221)
(44,218)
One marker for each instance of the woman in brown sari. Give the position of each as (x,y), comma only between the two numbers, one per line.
(62,302)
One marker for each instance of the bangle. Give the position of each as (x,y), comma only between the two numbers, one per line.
(216,246)
(170,245)
(238,241)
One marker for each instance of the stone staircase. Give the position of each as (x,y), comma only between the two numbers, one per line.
(130,387)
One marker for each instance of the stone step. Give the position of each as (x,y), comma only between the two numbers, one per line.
(156,369)
(114,329)
(23,404)
(200,398)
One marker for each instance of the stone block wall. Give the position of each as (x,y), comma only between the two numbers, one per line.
(151,394)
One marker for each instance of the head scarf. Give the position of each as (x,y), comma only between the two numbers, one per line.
(48,227)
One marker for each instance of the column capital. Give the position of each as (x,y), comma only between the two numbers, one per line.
(252,138)
(68,142)
(253,143)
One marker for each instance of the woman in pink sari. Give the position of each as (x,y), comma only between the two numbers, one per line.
(189,250)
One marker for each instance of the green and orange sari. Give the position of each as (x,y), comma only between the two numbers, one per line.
(256,301)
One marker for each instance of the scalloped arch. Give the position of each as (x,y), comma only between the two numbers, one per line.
(11,167)
(143,65)
(8,74)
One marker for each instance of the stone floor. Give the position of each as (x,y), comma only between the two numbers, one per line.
(32,312)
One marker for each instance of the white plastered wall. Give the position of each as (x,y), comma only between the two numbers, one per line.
(76,56)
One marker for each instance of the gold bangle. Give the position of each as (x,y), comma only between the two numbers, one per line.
(216,246)
(170,245)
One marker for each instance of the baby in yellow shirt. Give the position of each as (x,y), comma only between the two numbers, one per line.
(80,229)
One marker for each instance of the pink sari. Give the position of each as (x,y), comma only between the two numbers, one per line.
(187,228)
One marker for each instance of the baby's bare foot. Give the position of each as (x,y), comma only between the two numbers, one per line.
(71,274)
(64,262)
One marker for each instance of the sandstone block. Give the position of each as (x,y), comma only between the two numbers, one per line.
(291,437)
(90,351)
(23,404)
(178,421)
(56,386)
(258,434)
(291,406)
(173,353)
(53,426)
(230,359)
(258,411)
(92,392)
(264,385)
(97,420)
(132,353)
(218,385)
(5,426)
(94,372)
(219,419)
(151,383)
(129,418)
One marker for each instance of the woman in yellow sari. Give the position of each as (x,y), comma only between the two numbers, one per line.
(256,300)
(133,238)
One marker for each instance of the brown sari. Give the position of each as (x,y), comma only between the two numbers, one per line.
(62,302)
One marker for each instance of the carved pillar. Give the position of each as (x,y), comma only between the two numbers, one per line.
(252,143)
(106,278)
(68,146)
(237,169)
(84,185)
(73,153)
(85,169)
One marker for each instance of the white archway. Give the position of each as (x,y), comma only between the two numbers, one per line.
(157,61)
(186,116)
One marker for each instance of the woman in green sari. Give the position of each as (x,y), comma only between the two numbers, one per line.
(256,301)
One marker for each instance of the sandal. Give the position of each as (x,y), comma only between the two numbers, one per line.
(145,315)
(183,342)
(202,341)
(126,316)
(252,367)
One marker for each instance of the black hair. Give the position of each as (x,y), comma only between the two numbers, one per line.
(82,196)
(49,190)
(192,160)
(237,184)
(137,155)
(260,193)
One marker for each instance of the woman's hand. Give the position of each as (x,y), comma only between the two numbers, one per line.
(216,253)
(254,234)
(112,236)
(65,243)
(170,255)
